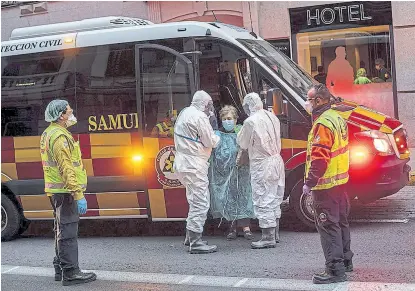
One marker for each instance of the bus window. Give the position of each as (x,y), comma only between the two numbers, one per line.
(294,125)
(106,89)
(220,74)
(28,84)
(165,90)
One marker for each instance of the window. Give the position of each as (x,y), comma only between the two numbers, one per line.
(224,74)
(294,124)
(354,63)
(28,84)
(164,87)
(106,89)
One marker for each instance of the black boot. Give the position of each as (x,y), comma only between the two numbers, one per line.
(328,277)
(58,273)
(348,264)
(77,277)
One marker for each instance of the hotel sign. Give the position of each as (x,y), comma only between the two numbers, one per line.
(340,15)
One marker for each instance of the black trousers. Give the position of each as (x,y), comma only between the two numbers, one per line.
(65,211)
(331,208)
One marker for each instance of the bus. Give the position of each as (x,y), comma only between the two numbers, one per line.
(122,76)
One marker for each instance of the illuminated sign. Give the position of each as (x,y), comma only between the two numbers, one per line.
(331,16)
(113,122)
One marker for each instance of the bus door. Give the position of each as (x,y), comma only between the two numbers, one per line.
(165,85)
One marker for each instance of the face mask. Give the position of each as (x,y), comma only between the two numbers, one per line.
(71,121)
(308,107)
(228,125)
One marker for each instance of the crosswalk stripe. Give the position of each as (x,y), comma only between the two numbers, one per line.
(216,281)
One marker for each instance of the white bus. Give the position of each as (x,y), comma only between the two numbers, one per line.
(122,76)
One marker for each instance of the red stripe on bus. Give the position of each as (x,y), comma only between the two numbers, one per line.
(30,170)
(92,200)
(113,167)
(176,203)
(296,160)
(85,145)
(142,200)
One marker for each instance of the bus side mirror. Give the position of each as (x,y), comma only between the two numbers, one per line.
(276,102)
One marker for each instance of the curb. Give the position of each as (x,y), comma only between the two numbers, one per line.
(411,179)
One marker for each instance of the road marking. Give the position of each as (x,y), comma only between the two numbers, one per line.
(381,220)
(9,270)
(240,283)
(217,281)
(186,280)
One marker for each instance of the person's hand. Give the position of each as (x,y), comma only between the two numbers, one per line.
(82,206)
(306,190)
(217,133)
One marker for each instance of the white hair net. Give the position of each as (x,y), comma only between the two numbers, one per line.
(54,110)
(202,101)
(252,103)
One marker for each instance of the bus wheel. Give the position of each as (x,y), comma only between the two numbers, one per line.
(10,219)
(303,206)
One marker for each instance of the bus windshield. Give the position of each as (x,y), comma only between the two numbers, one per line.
(299,80)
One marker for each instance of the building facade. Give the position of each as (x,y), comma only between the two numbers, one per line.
(360,50)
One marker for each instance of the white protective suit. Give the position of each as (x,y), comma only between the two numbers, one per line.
(194,139)
(260,135)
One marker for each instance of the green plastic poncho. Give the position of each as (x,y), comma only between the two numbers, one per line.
(229,185)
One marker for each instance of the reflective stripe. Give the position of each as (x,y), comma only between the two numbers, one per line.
(76,164)
(59,186)
(332,180)
(339,151)
(188,138)
(49,164)
(54,164)
(54,185)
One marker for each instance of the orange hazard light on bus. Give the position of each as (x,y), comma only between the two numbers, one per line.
(137,158)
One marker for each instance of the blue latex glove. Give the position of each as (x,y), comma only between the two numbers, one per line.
(306,190)
(82,206)
(217,133)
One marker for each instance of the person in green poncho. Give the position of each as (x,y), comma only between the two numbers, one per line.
(229,184)
(361,77)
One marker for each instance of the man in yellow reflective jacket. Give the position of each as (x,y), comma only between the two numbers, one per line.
(65,183)
(165,128)
(326,175)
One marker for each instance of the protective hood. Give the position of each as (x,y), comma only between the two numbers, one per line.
(201,101)
(252,103)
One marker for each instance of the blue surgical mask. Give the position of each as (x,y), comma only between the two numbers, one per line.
(228,125)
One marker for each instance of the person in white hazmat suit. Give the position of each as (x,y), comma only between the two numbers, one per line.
(194,139)
(260,135)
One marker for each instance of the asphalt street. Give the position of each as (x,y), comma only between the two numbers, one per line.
(151,256)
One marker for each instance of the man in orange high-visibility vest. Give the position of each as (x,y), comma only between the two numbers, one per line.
(326,175)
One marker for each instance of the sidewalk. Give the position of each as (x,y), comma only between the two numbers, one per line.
(412,165)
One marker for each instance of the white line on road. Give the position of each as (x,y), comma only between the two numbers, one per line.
(217,281)
(9,270)
(381,220)
(240,283)
(186,280)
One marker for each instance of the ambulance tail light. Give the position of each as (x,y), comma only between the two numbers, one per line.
(401,139)
(376,142)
